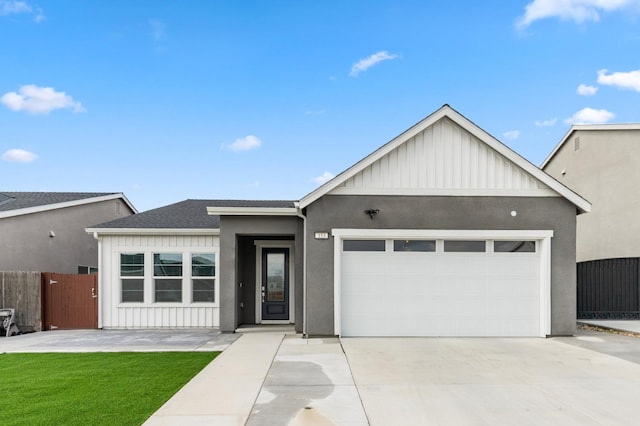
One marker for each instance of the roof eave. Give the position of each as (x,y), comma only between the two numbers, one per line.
(55,206)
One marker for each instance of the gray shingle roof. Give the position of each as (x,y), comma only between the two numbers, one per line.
(22,200)
(188,214)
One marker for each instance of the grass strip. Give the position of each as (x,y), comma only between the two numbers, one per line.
(122,388)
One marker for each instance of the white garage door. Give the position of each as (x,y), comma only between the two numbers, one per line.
(440,287)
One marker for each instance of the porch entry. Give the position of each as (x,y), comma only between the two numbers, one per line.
(274,284)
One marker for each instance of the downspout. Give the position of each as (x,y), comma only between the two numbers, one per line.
(304,268)
(100,281)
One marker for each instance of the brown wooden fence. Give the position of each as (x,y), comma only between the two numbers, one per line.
(20,290)
(609,288)
(71,301)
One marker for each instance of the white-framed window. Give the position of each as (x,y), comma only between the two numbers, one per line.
(167,277)
(203,277)
(132,277)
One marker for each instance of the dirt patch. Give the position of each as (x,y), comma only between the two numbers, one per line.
(583,326)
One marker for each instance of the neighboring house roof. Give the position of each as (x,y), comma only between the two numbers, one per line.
(21,203)
(577,127)
(447,112)
(182,216)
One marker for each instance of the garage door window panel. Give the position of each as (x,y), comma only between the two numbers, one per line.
(514,246)
(465,246)
(364,245)
(414,245)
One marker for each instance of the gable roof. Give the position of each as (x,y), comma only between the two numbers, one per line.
(183,216)
(21,203)
(447,112)
(577,127)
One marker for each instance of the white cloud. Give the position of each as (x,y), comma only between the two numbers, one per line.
(576,10)
(245,144)
(512,134)
(547,123)
(624,80)
(14,7)
(19,156)
(585,90)
(158,29)
(39,16)
(314,112)
(39,100)
(323,178)
(366,63)
(590,116)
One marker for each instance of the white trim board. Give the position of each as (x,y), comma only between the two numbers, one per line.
(542,236)
(152,231)
(252,211)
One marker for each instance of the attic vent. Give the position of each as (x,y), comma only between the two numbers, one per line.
(577,144)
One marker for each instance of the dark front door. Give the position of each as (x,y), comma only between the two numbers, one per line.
(275,284)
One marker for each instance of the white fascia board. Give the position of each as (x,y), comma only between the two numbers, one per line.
(152,231)
(466,192)
(507,234)
(252,211)
(47,207)
(466,124)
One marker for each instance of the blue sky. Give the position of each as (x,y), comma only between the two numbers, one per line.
(168,100)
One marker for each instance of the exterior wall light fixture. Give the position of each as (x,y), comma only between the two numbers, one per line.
(372,212)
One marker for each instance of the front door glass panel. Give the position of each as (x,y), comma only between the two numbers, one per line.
(275,277)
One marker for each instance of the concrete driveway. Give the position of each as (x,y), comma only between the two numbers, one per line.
(488,381)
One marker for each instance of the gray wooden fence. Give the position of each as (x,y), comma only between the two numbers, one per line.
(23,291)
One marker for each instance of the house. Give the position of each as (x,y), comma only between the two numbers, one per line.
(601,163)
(45,231)
(443,231)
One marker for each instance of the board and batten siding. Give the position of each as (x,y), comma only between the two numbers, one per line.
(444,159)
(114,314)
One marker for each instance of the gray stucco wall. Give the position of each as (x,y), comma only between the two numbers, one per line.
(402,212)
(27,246)
(231,227)
(605,171)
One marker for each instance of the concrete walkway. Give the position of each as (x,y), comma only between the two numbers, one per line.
(269,379)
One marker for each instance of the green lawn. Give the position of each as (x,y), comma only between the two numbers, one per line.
(92,388)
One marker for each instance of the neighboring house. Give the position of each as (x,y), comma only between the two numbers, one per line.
(602,163)
(443,231)
(45,231)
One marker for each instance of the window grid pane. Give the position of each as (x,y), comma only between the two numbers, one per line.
(168,290)
(203,265)
(132,265)
(167,264)
(203,290)
(132,290)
